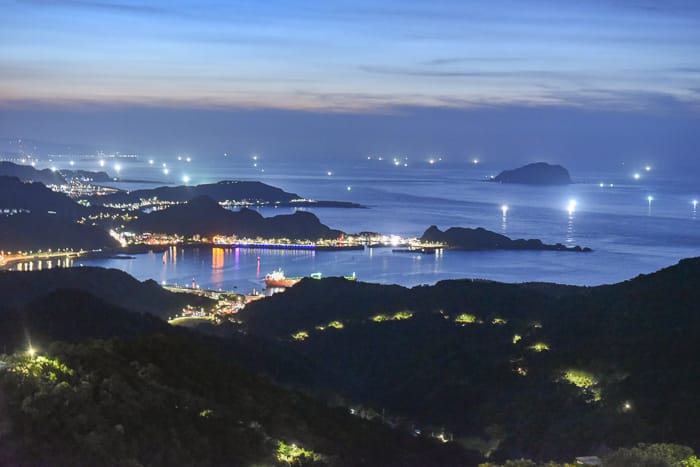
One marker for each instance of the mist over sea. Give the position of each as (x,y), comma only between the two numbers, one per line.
(633,225)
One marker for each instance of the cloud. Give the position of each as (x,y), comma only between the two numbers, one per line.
(100,5)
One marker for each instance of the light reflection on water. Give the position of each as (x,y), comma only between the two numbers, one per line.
(629,236)
(237,268)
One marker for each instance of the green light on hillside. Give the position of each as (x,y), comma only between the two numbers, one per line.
(300,336)
(539,347)
(465,318)
(499,321)
(293,454)
(580,378)
(398,316)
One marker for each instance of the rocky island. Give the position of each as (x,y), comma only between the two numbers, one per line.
(539,173)
(459,238)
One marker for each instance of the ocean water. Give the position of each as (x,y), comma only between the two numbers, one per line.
(633,225)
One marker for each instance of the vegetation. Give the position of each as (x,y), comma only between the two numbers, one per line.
(571,371)
(157,395)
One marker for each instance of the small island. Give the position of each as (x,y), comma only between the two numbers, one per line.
(539,173)
(459,238)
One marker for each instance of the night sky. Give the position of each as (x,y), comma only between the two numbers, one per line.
(596,82)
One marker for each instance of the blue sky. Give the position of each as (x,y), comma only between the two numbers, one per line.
(578,82)
(351,55)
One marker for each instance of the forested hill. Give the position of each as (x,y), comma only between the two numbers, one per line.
(540,370)
(229,190)
(205,216)
(151,394)
(111,285)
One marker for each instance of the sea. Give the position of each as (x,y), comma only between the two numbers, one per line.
(635,219)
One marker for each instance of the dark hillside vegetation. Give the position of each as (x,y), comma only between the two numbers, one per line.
(540,370)
(150,394)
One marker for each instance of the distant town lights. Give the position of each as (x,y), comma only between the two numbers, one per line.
(695,203)
(647,168)
(102,163)
(117,167)
(571,207)
(166,171)
(150,161)
(636,176)
(504,210)
(185,179)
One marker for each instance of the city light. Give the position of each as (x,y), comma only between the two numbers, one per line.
(31,351)
(636,176)
(102,163)
(329,173)
(504,210)
(571,207)
(349,188)
(189,159)
(118,168)
(647,168)
(695,203)
(186,179)
(475,161)
(166,171)
(150,161)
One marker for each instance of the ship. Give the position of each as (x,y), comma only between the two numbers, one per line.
(278,279)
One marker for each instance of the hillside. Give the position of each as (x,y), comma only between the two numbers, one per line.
(160,396)
(23,232)
(27,173)
(540,370)
(231,190)
(205,216)
(35,197)
(111,285)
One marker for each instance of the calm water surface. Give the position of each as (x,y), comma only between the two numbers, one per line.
(628,233)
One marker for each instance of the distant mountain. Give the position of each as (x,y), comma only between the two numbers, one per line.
(46,231)
(460,238)
(221,191)
(27,173)
(535,370)
(203,215)
(229,190)
(110,285)
(539,173)
(35,197)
